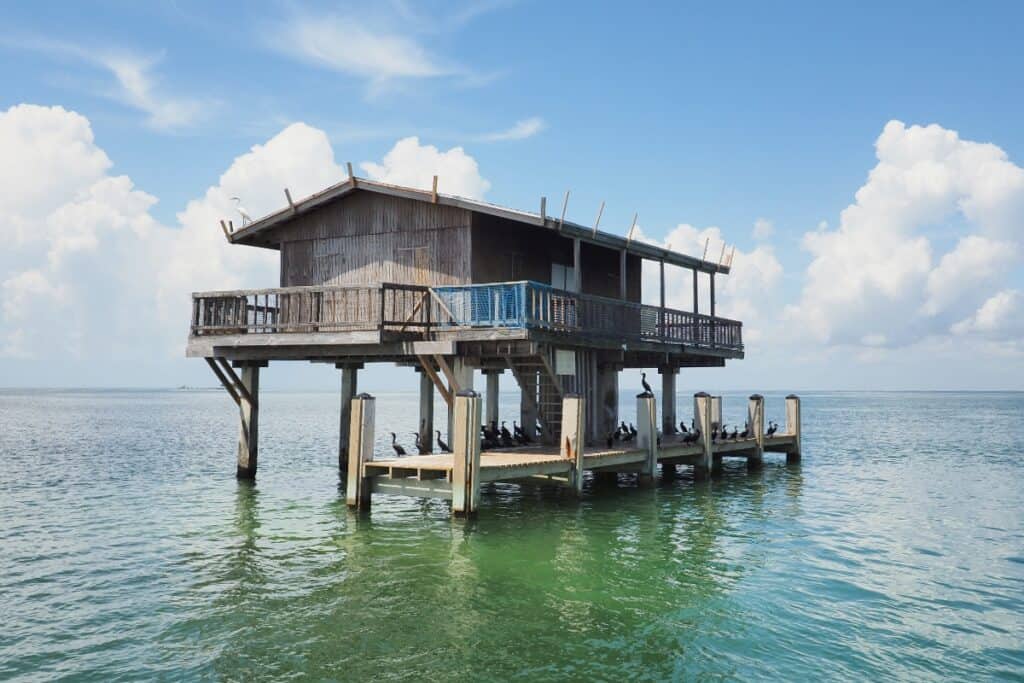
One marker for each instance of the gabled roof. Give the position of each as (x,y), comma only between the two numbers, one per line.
(251,234)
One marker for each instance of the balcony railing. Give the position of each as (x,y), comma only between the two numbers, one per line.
(426,311)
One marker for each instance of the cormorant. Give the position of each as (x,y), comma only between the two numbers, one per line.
(398,449)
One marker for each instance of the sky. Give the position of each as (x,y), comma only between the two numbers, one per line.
(865,160)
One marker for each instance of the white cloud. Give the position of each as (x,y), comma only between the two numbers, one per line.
(1000,317)
(346,45)
(526,128)
(763,229)
(412,164)
(874,276)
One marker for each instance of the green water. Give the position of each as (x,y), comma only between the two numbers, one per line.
(128,551)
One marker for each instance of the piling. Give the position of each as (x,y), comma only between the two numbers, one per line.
(361,431)
(647,435)
(702,403)
(426,423)
(793,427)
(572,442)
(466,454)
(755,422)
(668,399)
(249,419)
(349,382)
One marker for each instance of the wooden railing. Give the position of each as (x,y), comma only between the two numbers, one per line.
(416,309)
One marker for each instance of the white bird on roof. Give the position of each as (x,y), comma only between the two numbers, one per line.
(246,218)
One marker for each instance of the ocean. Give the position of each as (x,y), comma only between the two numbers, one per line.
(128,551)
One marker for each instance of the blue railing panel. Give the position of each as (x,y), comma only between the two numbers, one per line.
(492,305)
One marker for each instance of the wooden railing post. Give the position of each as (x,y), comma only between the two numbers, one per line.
(793,427)
(571,448)
(360,450)
(466,454)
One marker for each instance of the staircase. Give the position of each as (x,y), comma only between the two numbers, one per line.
(540,385)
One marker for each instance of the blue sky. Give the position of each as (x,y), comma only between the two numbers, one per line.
(687,114)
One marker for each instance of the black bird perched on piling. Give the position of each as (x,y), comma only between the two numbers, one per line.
(420,447)
(643,382)
(440,442)
(398,449)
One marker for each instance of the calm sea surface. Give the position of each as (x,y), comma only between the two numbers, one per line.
(128,551)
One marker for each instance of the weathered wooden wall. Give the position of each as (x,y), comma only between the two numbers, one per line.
(371,238)
(504,251)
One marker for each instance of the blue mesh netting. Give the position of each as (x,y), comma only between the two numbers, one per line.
(498,305)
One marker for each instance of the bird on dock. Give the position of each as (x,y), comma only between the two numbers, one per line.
(627,435)
(505,434)
(398,449)
(440,442)
(486,441)
(771,429)
(735,433)
(246,218)
(746,430)
(682,427)
(420,447)
(643,382)
(519,434)
(725,433)
(691,437)
(632,430)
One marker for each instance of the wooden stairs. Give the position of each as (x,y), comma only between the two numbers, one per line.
(541,386)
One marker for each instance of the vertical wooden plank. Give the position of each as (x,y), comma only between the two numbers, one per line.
(426,429)
(572,446)
(493,378)
(577,275)
(466,454)
(622,274)
(363,410)
(349,381)
(668,399)
(249,414)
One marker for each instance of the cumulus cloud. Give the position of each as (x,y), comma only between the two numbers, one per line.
(89,268)
(875,277)
(415,165)
(1000,317)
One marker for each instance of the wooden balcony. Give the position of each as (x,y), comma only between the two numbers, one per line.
(425,313)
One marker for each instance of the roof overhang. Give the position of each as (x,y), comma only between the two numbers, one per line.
(252,233)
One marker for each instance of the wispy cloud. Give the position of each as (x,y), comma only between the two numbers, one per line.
(526,128)
(136,84)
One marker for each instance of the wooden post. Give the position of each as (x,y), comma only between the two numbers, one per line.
(661,313)
(349,377)
(622,274)
(668,399)
(608,392)
(702,413)
(755,422)
(426,423)
(793,427)
(249,421)
(360,450)
(647,435)
(466,454)
(716,412)
(573,412)
(492,396)
(528,403)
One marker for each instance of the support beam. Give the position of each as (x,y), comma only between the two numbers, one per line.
(249,421)
(492,396)
(426,429)
(661,313)
(755,422)
(622,274)
(571,448)
(428,368)
(696,299)
(349,377)
(702,413)
(528,412)
(466,454)
(647,435)
(225,382)
(363,410)
(793,427)
(668,399)
(608,393)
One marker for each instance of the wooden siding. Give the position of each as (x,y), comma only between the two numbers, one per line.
(369,238)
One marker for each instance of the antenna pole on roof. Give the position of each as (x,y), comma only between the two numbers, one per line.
(732,254)
(433,193)
(565,204)
(722,255)
(543,210)
(598,220)
(629,235)
(288,196)
(351,175)
(707,240)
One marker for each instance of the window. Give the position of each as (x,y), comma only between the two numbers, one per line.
(563,277)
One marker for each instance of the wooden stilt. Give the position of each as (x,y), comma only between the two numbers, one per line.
(755,422)
(249,419)
(608,390)
(702,413)
(492,395)
(647,435)
(349,381)
(573,419)
(426,428)
(528,403)
(360,450)
(466,454)
(668,399)
(793,427)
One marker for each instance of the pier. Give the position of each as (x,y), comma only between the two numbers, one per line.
(452,288)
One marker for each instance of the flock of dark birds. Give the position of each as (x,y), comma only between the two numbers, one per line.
(493,436)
